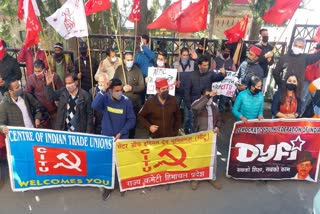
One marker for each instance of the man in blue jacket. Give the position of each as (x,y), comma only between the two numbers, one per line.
(118,115)
(145,57)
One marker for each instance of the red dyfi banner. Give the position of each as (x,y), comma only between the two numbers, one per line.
(275,150)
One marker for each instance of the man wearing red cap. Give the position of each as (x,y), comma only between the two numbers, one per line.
(9,68)
(250,68)
(161,114)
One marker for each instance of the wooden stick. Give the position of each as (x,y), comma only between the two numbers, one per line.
(90,61)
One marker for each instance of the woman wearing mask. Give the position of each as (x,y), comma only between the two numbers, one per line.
(286,101)
(109,65)
(162,60)
(184,66)
(249,103)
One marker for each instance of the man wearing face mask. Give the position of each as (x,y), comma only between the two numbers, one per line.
(36,84)
(145,57)
(132,76)
(109,65)
(161,114)
(16,108)
(9,68)
(102,80)
(29,55)
(249,68)
(296,62)
(60,62)
(266,56)
(200,79)
(74,112)
(118,115)
(84,70)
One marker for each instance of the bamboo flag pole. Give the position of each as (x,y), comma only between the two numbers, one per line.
(46,38)
(119,48)
(78,52)
(135,38)
(180,54)
(90,61)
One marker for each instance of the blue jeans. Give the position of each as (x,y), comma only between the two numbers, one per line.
(305,96)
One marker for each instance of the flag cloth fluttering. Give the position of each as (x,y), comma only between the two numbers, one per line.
(94,6)
(281,11)
(237,31)
(70,20)
(135,12)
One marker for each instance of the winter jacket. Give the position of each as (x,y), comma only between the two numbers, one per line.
(167,116)
(84,113)
(200,114)
(219,61)
(107,67)
(248,105)
(26,55)
(36,87)
(185,74)
(86,83)
(118,115)
(247,70)
(263,62)
(197,82)
(11,115)
(145,59)
(96,114)
(295,64)
(135,79)
(67,65)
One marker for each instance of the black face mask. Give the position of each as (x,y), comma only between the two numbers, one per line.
(226,55)
(83,54)
(255,91)
(164,95)
(58,56)
(265,38)
(251,62)
(291,86)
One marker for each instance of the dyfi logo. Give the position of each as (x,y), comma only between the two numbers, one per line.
(57,161)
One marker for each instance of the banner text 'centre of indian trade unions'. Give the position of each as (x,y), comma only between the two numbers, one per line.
(41,158)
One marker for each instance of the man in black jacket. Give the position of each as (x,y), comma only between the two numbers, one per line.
(203,78)
(9,68)
(295,61)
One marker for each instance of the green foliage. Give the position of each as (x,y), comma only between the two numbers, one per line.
(222,5)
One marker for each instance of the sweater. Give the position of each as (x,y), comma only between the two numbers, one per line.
(118,115)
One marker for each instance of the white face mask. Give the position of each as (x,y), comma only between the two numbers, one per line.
(297,50)
(113,59)
(160,63)
(129,64)
(100,87)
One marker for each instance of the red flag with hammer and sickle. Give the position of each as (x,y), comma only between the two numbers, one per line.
(33,27)
(237,31)
(135,12)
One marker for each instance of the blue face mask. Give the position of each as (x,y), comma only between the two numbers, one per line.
(160,63)
(184,61)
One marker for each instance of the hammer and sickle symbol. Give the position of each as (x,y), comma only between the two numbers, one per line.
(176,161)
(72,165)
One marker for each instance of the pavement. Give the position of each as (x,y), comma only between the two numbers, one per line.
(236,196)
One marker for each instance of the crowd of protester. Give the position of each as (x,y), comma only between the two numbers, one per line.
(109,97)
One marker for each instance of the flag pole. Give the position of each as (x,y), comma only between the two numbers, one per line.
(90,61)
(78,52)
(179,53)
(119,48)
(135,38)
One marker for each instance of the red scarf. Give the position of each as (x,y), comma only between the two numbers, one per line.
(2,50)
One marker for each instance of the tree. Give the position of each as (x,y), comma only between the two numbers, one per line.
(258,8)
(217,7)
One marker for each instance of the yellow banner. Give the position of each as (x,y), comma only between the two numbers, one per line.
(183,158)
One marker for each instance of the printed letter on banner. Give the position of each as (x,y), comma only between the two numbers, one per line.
(40,159)
(275,150)
(151,162)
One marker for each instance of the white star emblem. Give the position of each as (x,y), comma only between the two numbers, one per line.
(297,143)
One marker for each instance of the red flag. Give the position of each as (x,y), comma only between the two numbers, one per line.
(20,11)
(94,6)
(237,31)
(193,18)
(33,27)
(316,36)
(167,19)
(135,12)
(281,11)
